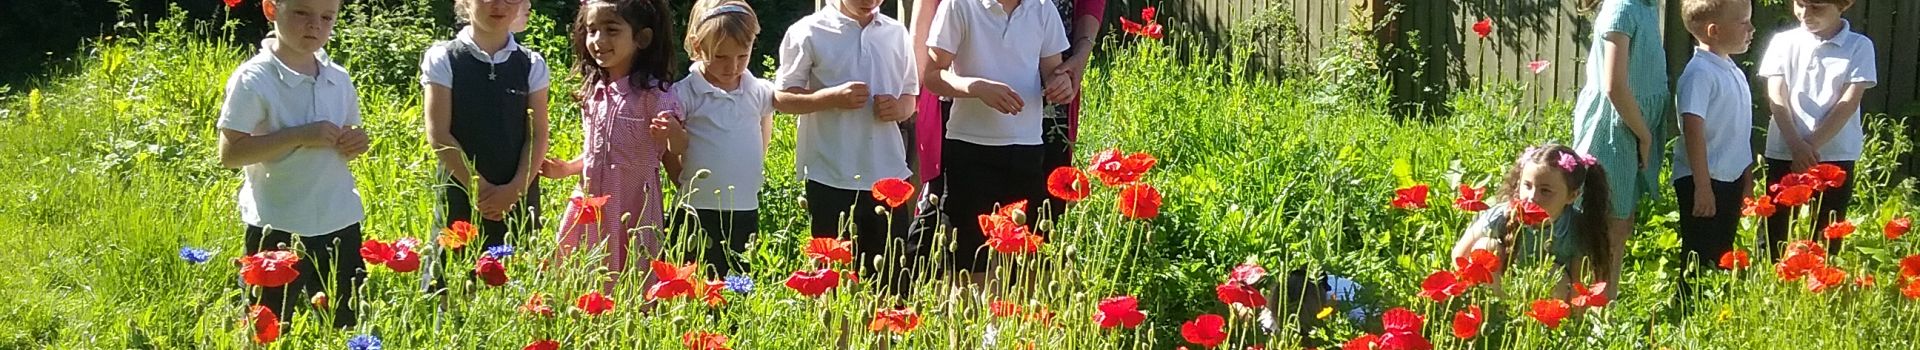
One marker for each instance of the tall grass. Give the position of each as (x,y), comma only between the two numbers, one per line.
(115,171)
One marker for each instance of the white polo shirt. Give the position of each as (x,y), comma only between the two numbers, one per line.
(436,66)
(1714,88)
(848,148)
(988,42)
(723,137)
(307,191)
(1817,73)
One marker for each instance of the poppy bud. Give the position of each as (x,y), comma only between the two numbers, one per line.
(319,300)
(702,174)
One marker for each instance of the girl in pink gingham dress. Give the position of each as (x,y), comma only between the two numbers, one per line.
(621,162)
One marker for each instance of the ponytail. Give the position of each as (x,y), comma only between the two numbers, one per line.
(1596,215)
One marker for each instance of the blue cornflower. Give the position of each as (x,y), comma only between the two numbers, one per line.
(740,284)
(194,255)
(364,342)
(500,252)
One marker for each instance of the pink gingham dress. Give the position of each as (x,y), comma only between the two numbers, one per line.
(623,162)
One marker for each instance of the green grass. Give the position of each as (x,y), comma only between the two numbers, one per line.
(114,170)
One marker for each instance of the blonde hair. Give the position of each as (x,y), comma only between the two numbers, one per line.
(705,32)
(1698,13)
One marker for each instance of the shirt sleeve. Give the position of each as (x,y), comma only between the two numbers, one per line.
(244,109)
(796,62)
(436,68)
(1773,63)
(1694,93)
(1863,68)
(1613,18)
(352,97)
(948,29)
(1055,42)
(539,77)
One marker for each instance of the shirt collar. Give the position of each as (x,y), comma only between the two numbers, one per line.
(466,38)
(287,76)
(617,85)
(704,87)
(1840,38)
(1722,62)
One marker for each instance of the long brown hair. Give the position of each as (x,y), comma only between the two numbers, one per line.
(1596,208)
(652,66)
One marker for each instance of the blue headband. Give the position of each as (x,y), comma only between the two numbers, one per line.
(721,10)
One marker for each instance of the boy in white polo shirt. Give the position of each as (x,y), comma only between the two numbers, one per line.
(988,57)
(290,122)
(848,72)
(1714,164)
(1816,75)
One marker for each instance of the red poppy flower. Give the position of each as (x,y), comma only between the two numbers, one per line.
(1120,311)
(1466,323)
(1865,281)
(1761,207)
(1483,28)
(1734,260)
(1898,227)
(593,303)
(374,252)
(1910,267)
(1400,320)
(1115,169)
(898,321)
(1412,197)
(813,283)
(269,269)
(1404,341)
(713,296)
(1205,330)
(1441,285)
(1007,236)
(232,3)
(1477,267)
(1139,201)
(892,191)
(1825,278)
(674,281)
(587,209)
(547,344)
(1827,176)
(1238,294)
(1549,312)
(1590,296)
(830,250)
(491,271)
(1538,66)
(1003,308)
(1150,29)
(696,340)
(266,325)
(1531,213)
(1471,199)
(1839,229)
(457,235)
(1068,184)
(1912,290)
(404,258)
(1802,257)
(1794,196)
(1247,273)
(1362,342)
(537,305)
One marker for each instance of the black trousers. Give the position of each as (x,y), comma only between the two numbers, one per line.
(1833,206)
(876,235)
(726,233)
(457,205)
(329,263)
(978,178)
(1709,237)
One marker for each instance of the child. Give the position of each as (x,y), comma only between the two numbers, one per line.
(1621,114)
(993,150)
(1716,114)
(1062,122)
(847,70)
(486,106)
(1551,177)
(290,122)
(729,125)
(1816,75)
(621,52)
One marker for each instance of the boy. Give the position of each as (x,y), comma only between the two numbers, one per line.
(1816,75)
(988,57)
(290,123)
(832,64)
(1716,117)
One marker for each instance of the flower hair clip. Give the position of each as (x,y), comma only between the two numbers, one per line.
(1569,162)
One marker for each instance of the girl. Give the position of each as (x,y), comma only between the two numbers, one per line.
(290,122)
(1551,177)
(729,125)
(480,87)
(1621,116)
(620,49)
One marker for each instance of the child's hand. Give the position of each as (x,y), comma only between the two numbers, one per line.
(1804,156)
(668,133)
(1646,151)
(496,200)
(852,95)
(999,96)
(352,142)
(319,134)
(888,108)
(1703,201)
(1061,89)
(556,168)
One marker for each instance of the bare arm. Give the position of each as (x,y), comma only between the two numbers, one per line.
(799,100)
(239,149)
(439,111)
(1615,84)
(1839,116)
